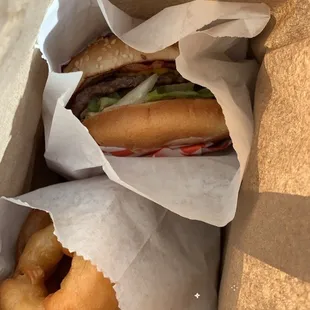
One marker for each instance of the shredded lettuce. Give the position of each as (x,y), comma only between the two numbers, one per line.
(93,105)
(205,93)
(178,91)
(175,87)
(105,102)
(184,90)
(155,96)
(139,93)
(98,104)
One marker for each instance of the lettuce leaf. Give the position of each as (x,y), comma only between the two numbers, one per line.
(175,87)
(105,102)
(205,93)
(184,90)
(98,104)
(93,105)
(178,91)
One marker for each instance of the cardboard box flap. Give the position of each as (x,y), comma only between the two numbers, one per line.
(267,257)
(23,75)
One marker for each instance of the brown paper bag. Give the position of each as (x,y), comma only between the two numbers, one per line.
(266,262)
(268,248)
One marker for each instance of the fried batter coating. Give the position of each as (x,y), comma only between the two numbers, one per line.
(43,251)
(35,221)
(83,288)
(20,293)
(53,282)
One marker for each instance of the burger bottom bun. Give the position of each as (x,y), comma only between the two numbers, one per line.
(155,124)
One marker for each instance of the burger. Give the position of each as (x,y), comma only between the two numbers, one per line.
(138,101)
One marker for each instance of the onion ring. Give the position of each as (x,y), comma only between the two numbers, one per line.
(53,282)
(20,293)
(35,221)
(82,288)
(42,253)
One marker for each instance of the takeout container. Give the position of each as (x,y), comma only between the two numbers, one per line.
(267,244)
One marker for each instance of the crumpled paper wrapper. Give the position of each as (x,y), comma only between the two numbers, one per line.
(158,260)
(213,51)
(202,148)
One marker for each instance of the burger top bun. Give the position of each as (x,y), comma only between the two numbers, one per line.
(110,53)
(157,124)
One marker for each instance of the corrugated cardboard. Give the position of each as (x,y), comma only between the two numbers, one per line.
(266,261)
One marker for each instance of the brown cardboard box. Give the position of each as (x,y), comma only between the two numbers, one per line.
(23,74)
(267,253)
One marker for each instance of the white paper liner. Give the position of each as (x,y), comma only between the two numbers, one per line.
(198,188)
(157,259)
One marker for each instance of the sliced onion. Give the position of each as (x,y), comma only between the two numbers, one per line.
(138,94)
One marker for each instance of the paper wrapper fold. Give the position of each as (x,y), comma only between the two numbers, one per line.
(212,39)
(157,259)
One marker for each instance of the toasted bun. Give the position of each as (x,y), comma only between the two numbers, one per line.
(156,124)
(110,53)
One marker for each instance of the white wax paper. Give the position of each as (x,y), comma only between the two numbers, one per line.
(212,38)
(158,260)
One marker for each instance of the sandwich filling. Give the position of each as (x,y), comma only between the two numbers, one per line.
(134,83)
